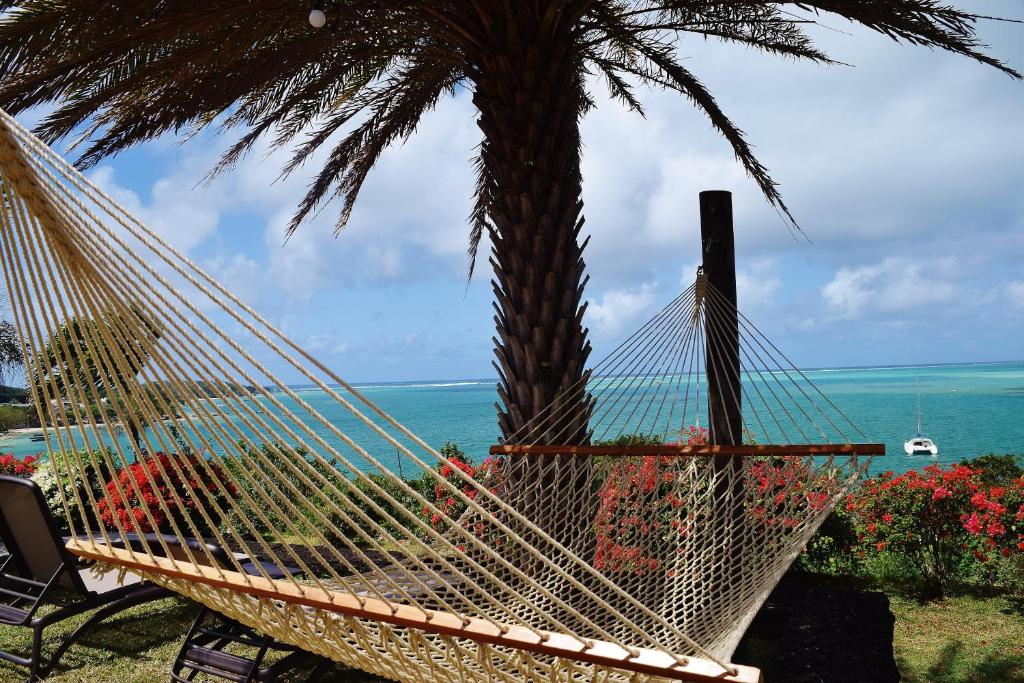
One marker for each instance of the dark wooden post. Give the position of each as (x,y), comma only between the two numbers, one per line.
(722,365)
(722,345)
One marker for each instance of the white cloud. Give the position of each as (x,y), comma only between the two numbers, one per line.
(1015,293)
(242,275)
(618,309)
(757,285)
(181,216)
(896,285)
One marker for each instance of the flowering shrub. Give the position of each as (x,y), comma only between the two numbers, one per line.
(85,485)
(152,503)
(995,521)
(18,467)
(451,506)
(786,489)
(639,503)
(936,519)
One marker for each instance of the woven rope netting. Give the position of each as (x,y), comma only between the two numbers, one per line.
(605,541)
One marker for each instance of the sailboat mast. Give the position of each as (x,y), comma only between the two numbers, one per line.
(917,390)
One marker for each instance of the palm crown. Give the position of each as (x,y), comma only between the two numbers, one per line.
(127,72)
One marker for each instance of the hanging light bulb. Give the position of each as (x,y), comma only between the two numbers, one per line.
(317,16)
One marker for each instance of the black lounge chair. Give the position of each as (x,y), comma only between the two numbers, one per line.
(205,649)
(37,566)
(204,652)
(39,572)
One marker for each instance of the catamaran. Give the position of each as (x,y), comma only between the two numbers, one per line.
(920,445)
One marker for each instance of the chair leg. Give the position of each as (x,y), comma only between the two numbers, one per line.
(216,637)
(179,661)
(35,669)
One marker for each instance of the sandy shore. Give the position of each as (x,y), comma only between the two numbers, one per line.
(14,434)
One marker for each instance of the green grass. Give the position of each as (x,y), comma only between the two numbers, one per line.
(963,639)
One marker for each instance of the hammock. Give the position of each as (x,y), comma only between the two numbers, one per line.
(605,541)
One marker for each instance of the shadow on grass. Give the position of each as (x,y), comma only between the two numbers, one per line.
(135,632)
(950,666)
(127,637)
(910,587)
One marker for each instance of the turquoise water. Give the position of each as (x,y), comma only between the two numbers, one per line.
(968,410)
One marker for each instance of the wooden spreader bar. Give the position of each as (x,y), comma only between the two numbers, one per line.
(691,451)
(651,662)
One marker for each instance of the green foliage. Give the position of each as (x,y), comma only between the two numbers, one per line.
(603,464)
(995,470)
(79,361)
(405,510)
(16,417)
(631,440)
(13,394)
(78,353)
(246,470)
(832,550)
(11,360)
(1009,574)
(370,501)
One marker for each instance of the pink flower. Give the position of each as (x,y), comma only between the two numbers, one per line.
(941,493)
(973,524)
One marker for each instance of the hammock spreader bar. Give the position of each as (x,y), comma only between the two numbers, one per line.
(766,450)
(650,662)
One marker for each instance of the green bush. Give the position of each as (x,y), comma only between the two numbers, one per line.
(1009,575)
(273,485)
(405,509)
(995,470)
(17,417)
(316,515)
(832,550)
(13,394)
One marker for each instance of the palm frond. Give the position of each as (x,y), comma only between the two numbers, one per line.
(127,72)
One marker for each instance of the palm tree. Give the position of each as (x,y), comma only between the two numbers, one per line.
(126,72)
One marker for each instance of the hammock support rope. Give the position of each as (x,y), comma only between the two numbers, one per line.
(536,569)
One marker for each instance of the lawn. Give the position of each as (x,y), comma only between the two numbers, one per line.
(138,646)
(963,639)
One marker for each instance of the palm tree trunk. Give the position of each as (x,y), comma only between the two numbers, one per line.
(530,96)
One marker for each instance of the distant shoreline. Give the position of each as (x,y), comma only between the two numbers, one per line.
(468,381)
(19,432)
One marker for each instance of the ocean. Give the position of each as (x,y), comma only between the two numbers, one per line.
(968,409)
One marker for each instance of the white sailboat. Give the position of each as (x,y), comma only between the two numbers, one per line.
(920,445)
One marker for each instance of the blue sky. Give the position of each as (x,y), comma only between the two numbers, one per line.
(905,170)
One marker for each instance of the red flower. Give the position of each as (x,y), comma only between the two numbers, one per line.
(11,465)
(142,494)
(973,524)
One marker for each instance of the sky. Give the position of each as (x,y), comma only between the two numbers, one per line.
(905,171)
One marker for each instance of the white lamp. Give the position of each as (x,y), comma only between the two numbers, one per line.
(317,16)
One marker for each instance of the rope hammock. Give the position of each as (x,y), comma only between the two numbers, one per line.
(606,541)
